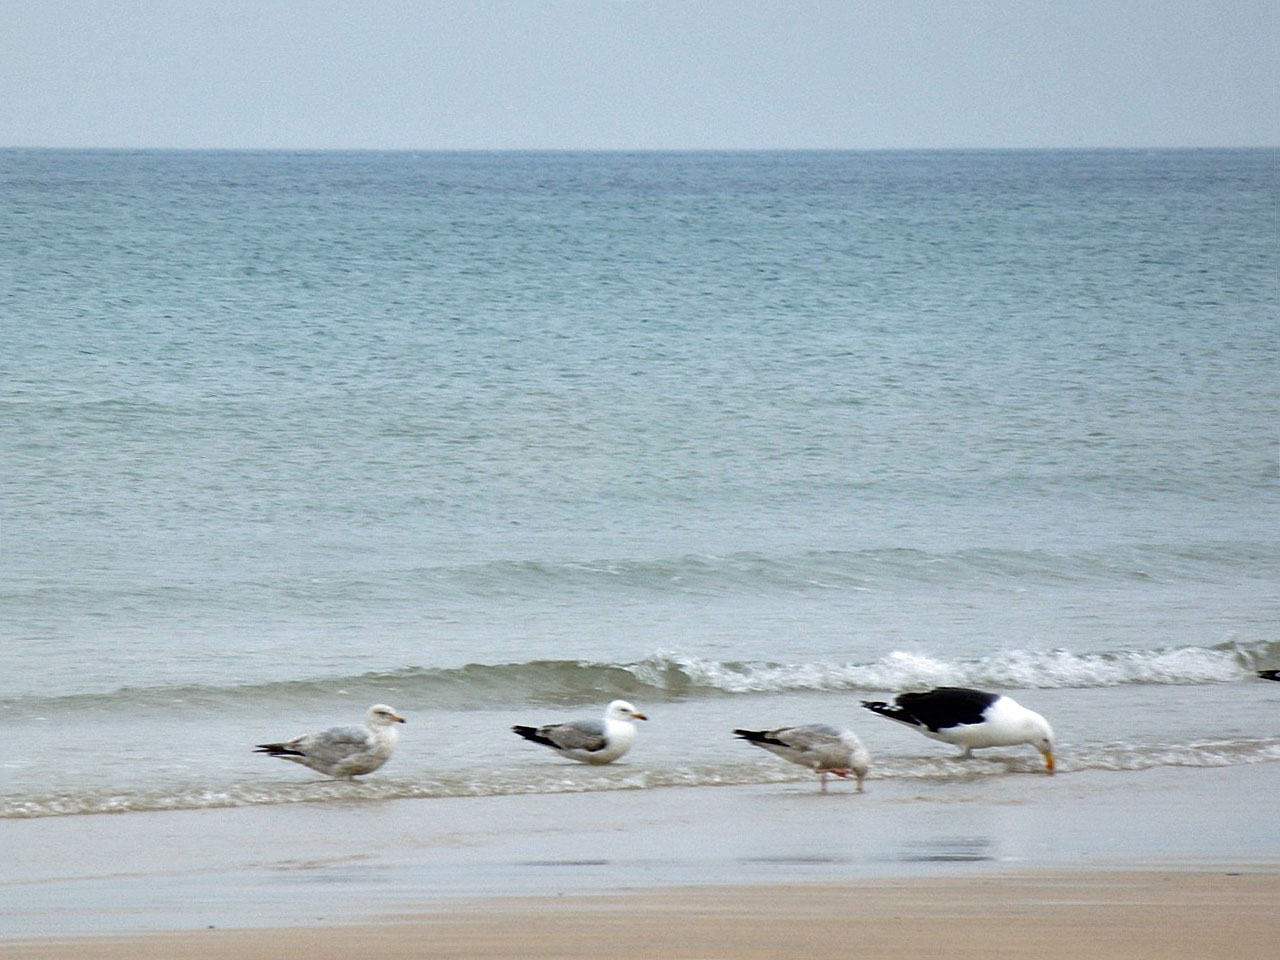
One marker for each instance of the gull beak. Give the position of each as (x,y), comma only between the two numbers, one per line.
(1048,761)
(398,719)
(638,716)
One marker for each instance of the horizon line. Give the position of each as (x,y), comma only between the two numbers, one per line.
(649,150)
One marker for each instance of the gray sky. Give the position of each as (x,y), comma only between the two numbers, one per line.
(624,74)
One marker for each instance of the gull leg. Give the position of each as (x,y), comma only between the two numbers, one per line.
(823,788)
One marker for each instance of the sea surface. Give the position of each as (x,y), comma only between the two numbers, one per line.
(744,438)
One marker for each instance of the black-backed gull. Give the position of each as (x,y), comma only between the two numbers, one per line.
(969,719)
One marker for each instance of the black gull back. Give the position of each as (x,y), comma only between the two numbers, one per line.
(937,709)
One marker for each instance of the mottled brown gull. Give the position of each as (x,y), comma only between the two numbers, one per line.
(343,752)
(817,746)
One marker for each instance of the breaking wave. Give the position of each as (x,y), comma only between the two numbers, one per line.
(672,676)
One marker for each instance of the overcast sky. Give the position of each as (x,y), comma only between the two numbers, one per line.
(650,74)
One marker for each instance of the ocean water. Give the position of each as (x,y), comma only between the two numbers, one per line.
(741,437)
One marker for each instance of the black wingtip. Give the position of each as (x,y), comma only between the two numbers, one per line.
(758,737)
(890,711)
(878,706)
(277,750)
(531,734)
(1269,674)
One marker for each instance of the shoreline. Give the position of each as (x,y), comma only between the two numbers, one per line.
(1052,915)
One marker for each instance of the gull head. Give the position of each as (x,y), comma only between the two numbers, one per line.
(621,710)
(380,715)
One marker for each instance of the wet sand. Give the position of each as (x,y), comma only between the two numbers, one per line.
(1168,862)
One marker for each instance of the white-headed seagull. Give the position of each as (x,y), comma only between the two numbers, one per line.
(589,741)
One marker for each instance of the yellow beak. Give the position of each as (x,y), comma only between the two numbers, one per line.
(1048,761)
(638,716)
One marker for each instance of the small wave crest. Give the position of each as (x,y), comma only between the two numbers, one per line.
(872,569)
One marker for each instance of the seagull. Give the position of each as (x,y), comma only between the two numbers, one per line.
(343,752)
(970,719)
(817,746)
(590,741)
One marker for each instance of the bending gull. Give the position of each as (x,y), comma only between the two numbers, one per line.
(589,741)
(817,746)
(344,752)
(969,719)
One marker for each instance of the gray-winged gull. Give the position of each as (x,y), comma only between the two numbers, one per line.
(344,752)
(589,741)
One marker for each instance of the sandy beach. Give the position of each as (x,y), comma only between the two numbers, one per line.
(1102,914)
(1169,863)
